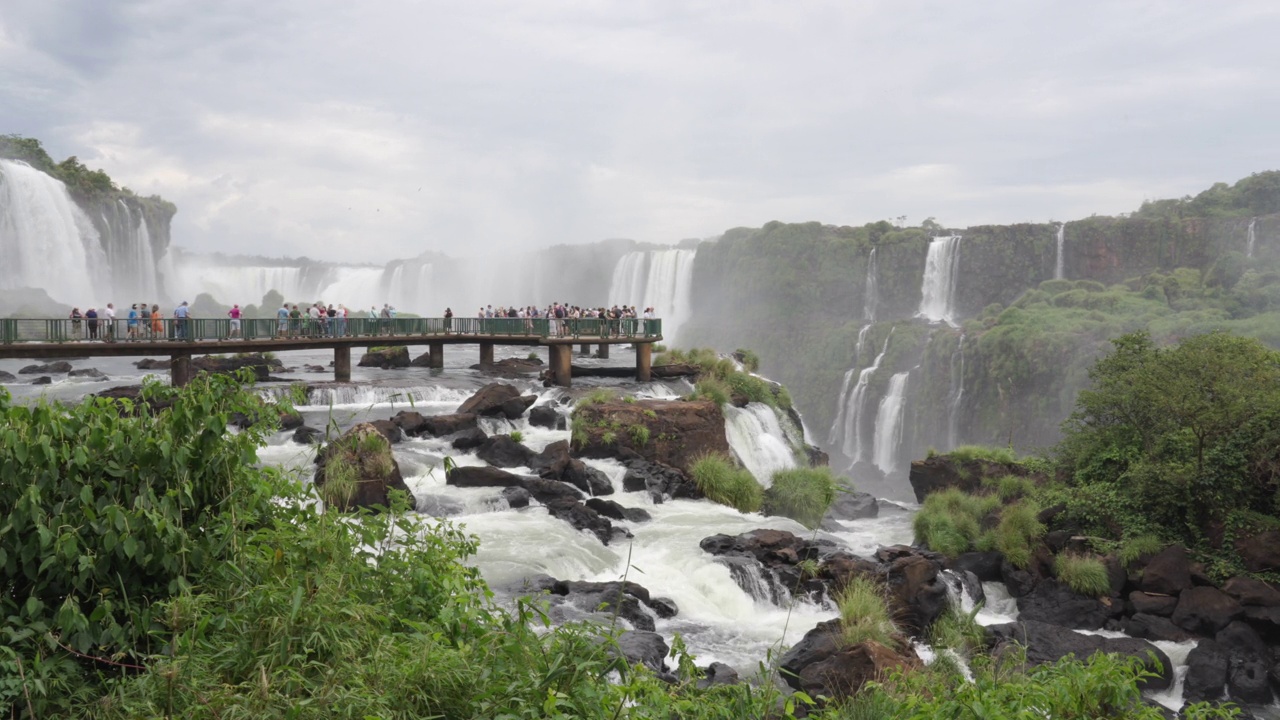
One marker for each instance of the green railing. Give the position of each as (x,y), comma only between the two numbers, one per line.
(18,330)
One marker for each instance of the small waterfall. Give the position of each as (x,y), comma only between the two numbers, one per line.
(848,428)
(364,395)
(870,292)
(756,580)
(758,440)
(938,288)
(888,433)
(956,396)
(46,240)
(1059,265)
(1253,238)
(661,279)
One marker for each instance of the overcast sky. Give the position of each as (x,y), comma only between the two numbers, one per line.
(374,130)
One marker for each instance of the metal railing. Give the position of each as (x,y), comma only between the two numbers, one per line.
(66,330)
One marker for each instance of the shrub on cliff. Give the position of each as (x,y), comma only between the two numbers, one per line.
(802,494)
(951,522)
(723,482)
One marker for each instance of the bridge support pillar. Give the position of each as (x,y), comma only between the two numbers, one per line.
(437,354)
(562,364)
(179,370)
(644,362)
(603,354)
(486,353)
(342,363)
(585,349)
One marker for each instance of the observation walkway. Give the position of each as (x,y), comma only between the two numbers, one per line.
(181,339)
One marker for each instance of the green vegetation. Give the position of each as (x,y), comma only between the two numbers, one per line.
(750,361)
(1019,532)
(516,436)
(1085,575)
(719,379)
(802,494)
(598,396)
(83,183)
(864,613)
(639,435)
(712,389)
(1258,194)
(1010,487)
(959,632)
(984,453)
(1137,547)
(720,480)
(951,522)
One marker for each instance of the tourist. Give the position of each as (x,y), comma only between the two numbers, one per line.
(75,323)
(282,321)
(234,314)
(180,316)
(342,320)
(144,320)
(109,323)
(448,320)
(91,320)
(133,322)
(295,321)
(157,322)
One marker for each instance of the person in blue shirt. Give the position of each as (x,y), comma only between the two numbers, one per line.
(282,320)
(181,313)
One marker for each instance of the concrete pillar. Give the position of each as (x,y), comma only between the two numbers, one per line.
(486,353)
(644,362)
(604,352)
(562,364)
(585,349)
(342,363)
(180,370)
(437,354)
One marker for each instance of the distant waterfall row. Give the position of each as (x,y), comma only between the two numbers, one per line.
(660,279)
(49,242)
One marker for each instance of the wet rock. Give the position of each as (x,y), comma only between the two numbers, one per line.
(1248,591)
(1208,665)
(547,491)
(985,565)
(614,511)
(551,462)
(586,478)
(1168,572)
(307,435)
(389,430)
(7,377)
(1260,552)
(917,591)
(678,431)
(152,364)
(387,358)
(1053,602)
(441,425)
(42,380)
(482,476)
(1242,640)
(643,647)
(469,439)
(93,373)
(658,480)
(489,399)
(1205,610)
(439,506)
(1266,621)
(412,423)
(853,505)
(1153,627)
(365,453)
(823,664)
(515,408)
(1047,643)
(516,497)
(1162,605)
(1247,681)
(290,420)
(504,452)
(60,366)
(314,369)
(717,674)
(582,517)
(261,365)
(547,417)
(630,601)
(664,608)
(423,360)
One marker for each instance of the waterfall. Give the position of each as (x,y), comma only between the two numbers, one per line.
(661,279)
(888,433)
(848,427)
(46,240)
(359,288)
(758,440)
(1059,265)
(1253,237)
(956,395)
(938,288)
(870,292)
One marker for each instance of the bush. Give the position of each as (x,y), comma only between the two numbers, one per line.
(974,453)
(1010,487)
(1018,532)
(712,389)
(723,482)
(1085,575)
(802,494)
(950,522)
(864,613)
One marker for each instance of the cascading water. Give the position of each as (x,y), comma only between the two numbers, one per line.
(1059,265)
(956,396)
(1252,238)
(661,279)
(758,440)
(848,427)
(938,288)
(888,432)
(46,240)
(870,291)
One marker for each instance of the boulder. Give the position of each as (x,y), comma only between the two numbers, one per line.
(586,478)
(547,491)
(679,431)
(58,366)
(439,506)
(504,452)
(481,476)
(389,430)
(393,356)
(776,555)
(1260,552)
(984,565)
(363,462)
(314,369)
(92,373)
(1153,627)
(1208,666)
(7,377)
(582,517)
(423,360)
(412,423)
(717,674)
(1247,681)
(1162,605)
(940,472)
(516,497)
(469,439)
(1248,591)
(631,601)
(1265,620)
(552,461)
(643,647)
(1205,610)
(261,365)
(664,608)
(658,480)
(1053,602)
(153,364)
(307,435)
(290,420)
(917,590)
(1047,643)
(843,673)
(853,505)
(489,399)
(42,380)
(614,511)
(1019,581)
(1241,639)
(1168,572)
(547,417)
(515,408)
(441,425)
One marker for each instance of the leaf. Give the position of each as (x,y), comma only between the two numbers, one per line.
(130,546)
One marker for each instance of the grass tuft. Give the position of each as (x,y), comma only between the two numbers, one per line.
(951,521)
(723,482)
(802,494)
(516,435)
(864,613)
(971,453)
(1136,547)
(1010,487)
(1018,532)
(1086,575)
(639,435)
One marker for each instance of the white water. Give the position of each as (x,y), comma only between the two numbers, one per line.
(1059,265)
(888,433)
(758,440)
(661,279)
(848,426)
(938,287)
(1253,237)
(956,396)
(871,291)
(47,241)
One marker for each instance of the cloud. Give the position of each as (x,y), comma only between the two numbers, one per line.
(371,131)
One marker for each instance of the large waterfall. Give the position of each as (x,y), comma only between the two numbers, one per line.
(938,289)
(661,279)
(1059,263)
(888,435)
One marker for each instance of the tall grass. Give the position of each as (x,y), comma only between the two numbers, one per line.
(970,453)
(951,521)
(1018,532)
(864,613)
(1010,487)
(1136,547)
(1085,574)
(802,494)
(723,482)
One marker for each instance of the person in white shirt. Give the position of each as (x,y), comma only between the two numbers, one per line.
(109,325)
